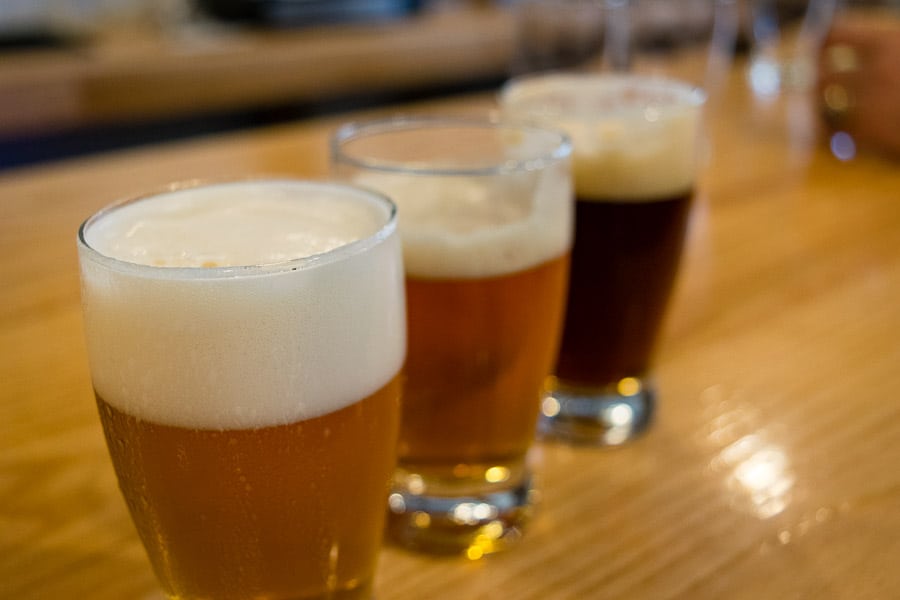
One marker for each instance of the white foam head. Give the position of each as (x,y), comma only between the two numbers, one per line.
(507,209)
(302,314)
(635,137)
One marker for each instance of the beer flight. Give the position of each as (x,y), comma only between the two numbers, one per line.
(286,369)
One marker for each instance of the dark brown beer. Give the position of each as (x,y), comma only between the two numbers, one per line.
(479,350)
(635,161)
(624,262)
(290,511)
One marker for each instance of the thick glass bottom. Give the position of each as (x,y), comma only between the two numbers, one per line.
(464,509)
(608,415)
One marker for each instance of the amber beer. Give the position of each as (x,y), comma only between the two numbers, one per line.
(485,292)
(635,153)
(245,341)
(485,219)
(479,349)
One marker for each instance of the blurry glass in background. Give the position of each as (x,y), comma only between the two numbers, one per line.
(692,40)
(565,34)
(785,37)
(486,224)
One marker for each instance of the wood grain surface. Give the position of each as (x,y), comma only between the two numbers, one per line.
(771,471)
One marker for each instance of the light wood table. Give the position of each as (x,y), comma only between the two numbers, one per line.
(772,470)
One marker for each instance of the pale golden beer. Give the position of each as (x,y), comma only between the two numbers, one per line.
(486,223)
(245,342)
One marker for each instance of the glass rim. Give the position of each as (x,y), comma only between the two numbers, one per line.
(241,271)
(687,95)
(561,149)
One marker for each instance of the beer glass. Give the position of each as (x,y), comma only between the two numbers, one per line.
(485,215)
(635,144)
(245,341)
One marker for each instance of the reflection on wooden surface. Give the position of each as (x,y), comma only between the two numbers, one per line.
(772,471)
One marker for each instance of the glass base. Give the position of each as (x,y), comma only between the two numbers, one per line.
(481,512)
(602,416)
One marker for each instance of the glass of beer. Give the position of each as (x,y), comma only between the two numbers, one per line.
(635,144)
(486,224)
(245,343)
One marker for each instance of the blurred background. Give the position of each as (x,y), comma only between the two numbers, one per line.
(82,76)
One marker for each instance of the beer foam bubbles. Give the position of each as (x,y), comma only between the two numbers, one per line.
(634,138)
(231,225)
(301,314)
(487,225)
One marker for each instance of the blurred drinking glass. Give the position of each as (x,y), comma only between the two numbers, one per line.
(568,34)
(690,40)
(245,342)
(785,36)
(635,144)
(486,222)
(693,40)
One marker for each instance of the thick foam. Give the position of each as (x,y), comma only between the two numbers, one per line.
(635,138)
(233,225)
(241,346)
(471,226)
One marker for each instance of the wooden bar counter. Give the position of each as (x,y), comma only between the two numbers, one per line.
(771,471)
